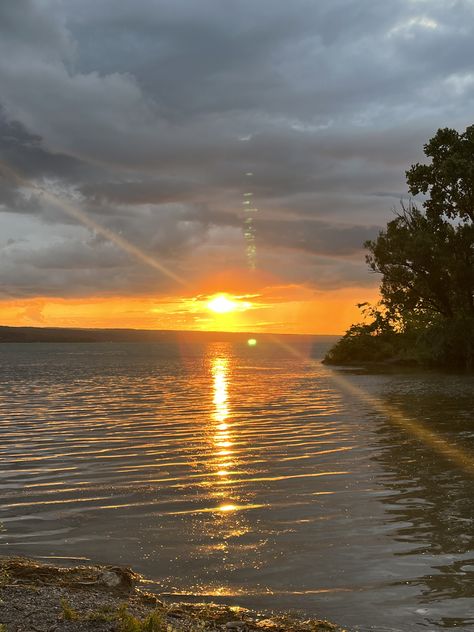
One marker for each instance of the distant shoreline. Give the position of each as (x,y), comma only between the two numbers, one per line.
(70,334)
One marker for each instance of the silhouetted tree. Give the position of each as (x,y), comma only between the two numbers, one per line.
(426,259)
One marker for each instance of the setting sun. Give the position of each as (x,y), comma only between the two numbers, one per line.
(221,304)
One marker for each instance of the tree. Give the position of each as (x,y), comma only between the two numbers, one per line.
(449,179)
(427,265)
(426,259)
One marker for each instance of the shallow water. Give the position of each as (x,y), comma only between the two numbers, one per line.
(250,475)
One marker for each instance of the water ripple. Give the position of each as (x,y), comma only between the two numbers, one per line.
(231,472)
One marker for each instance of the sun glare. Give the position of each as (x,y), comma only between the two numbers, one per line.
(221,304)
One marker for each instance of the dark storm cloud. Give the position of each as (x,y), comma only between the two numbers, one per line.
(310,236)
(148,115)
(315,237)
(25,154)
(139,192)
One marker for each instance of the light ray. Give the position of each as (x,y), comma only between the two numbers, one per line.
(410,425)
(73,210)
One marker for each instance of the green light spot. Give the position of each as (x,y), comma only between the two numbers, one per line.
(251,342)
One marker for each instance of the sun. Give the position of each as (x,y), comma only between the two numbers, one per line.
(221,304)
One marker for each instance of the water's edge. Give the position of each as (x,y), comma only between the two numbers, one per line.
(98,595)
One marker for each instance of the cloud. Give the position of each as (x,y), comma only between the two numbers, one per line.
(136,111)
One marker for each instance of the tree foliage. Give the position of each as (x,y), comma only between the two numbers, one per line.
(426,264)
(426,259)
(449,178)
(375,340)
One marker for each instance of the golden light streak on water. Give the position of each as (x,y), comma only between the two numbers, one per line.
(221,435)
(415,427)
(72,210)
(219,373)
(227,591)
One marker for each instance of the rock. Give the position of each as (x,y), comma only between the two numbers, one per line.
(235,625)
(117,577)
(110,579)
(176,613)
(266,623)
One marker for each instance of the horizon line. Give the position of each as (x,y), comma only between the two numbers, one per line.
(177,331)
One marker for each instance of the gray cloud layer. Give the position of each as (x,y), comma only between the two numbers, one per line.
(147,116)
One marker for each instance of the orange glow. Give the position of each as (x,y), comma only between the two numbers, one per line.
(276,309)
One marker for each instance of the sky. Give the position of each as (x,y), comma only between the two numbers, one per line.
(157,153)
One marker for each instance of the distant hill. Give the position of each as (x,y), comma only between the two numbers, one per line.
(59,334)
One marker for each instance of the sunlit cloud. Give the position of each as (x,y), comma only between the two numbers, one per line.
(410,27)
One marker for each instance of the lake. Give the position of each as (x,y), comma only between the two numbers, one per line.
(245,475)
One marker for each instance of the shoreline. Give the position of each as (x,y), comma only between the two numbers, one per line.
(10,334)
(39,597)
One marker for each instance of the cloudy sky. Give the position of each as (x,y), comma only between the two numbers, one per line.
(128,130)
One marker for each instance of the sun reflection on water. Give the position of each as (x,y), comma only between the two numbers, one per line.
(221,431)
(220,369)
(223,521)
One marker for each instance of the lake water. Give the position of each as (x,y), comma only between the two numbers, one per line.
(247,475)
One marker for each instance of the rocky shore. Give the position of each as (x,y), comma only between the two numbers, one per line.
(38,597)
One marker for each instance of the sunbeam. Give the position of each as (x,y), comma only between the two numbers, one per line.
(73,210)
